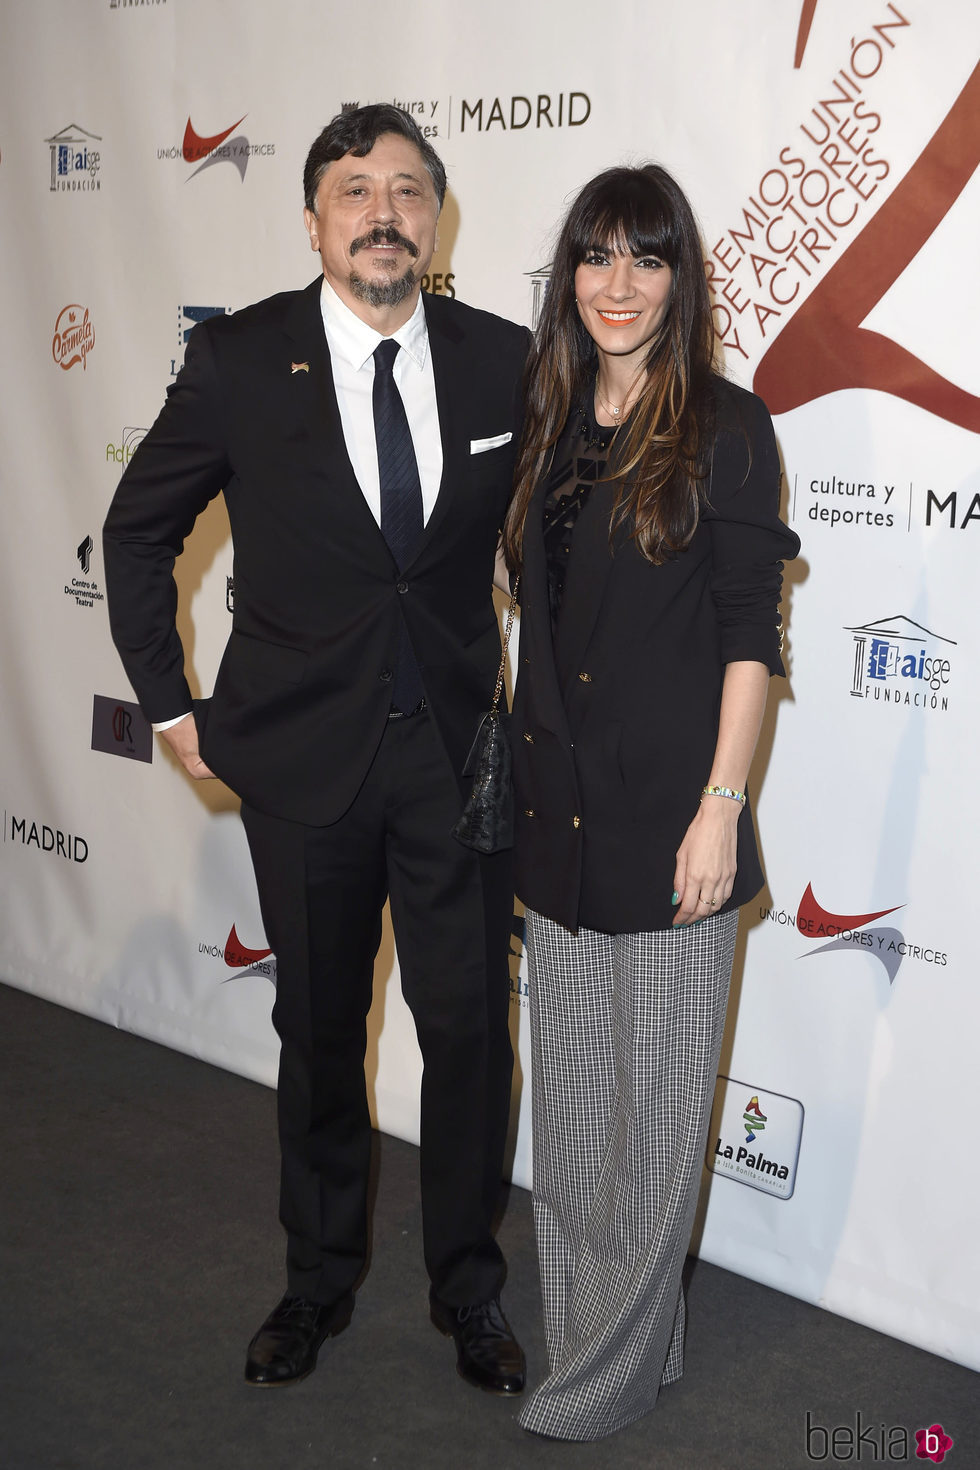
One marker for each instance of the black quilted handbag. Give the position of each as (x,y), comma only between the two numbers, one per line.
(487,819)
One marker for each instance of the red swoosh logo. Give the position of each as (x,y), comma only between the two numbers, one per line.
(236,955)
(810,916)
(196,148)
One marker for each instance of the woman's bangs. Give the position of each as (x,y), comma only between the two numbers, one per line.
(630,226)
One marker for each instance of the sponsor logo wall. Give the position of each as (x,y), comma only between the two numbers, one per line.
(832,159)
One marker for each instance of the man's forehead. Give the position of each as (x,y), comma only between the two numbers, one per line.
(391,156)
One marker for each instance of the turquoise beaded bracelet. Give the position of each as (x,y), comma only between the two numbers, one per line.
(738,796)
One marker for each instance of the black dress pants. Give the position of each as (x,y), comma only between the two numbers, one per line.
(322,890)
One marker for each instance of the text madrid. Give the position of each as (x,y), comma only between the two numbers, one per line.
(49,839)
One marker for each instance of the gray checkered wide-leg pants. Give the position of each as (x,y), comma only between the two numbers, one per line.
(626,1031)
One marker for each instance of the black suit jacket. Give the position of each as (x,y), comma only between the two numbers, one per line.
(303,690)
(616,720)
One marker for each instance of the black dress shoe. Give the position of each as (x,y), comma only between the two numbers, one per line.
(285,1347)
(487,1352)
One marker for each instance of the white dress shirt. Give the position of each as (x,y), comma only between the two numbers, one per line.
(352,343)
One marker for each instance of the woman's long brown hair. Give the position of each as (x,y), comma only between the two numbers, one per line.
(659,458)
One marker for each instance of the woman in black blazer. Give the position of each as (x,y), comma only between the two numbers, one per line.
(646,530)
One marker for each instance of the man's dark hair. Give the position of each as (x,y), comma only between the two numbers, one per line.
(356,130)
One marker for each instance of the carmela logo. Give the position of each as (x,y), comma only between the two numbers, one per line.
(74,337)
(45,839)
(740,1114)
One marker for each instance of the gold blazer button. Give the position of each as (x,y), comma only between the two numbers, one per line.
(529,812)
(528,737)
(576,822)
(586,678)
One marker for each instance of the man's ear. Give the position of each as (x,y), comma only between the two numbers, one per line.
(312,228)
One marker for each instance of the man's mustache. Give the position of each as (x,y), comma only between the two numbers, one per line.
(384,235)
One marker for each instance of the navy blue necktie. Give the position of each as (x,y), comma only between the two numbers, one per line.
(401,503)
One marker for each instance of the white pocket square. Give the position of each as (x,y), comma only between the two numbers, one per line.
(480,446)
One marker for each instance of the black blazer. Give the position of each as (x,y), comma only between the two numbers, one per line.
(616,720)
(303,690)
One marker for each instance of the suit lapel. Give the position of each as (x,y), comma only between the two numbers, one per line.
(318,423)
(312,381)
(453,375)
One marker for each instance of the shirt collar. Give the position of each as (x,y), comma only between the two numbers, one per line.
(353,340)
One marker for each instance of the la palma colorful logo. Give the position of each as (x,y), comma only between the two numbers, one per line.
(740,1114)
(754,1119)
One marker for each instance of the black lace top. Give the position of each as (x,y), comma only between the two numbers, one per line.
(582,460)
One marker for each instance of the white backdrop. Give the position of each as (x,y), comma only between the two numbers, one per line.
(150,165)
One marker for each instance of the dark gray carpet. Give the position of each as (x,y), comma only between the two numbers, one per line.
(140,1250)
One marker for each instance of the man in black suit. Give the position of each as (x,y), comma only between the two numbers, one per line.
(363,435)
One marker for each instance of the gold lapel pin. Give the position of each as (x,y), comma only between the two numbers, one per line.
(299,367)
